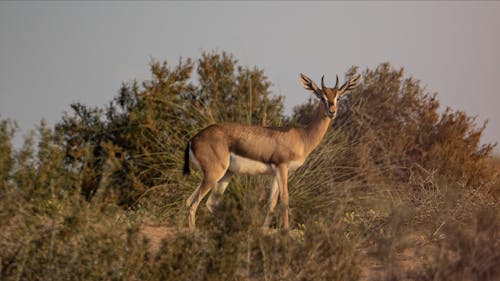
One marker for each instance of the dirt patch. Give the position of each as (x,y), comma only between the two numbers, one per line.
(410,259)
(156,234)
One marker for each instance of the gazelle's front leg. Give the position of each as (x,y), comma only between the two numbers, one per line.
(283,180)
(273,199)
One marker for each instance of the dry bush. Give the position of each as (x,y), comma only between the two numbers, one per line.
(391,151)
(230,250)
(394,129)
(467,253)
(397,189)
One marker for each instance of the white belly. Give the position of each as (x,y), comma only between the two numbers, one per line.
(242,165)
(294,165)
(247,166)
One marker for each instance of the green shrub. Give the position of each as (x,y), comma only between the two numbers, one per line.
(141,135)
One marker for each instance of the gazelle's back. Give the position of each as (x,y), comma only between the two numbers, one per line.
(249,141)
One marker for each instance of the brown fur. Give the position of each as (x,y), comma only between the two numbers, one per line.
(277,148)
(259,143)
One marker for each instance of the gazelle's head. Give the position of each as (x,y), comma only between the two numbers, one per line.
(329,97)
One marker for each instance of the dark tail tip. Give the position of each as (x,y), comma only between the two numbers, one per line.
(186,170)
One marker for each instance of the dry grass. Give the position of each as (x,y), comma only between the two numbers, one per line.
(405,195)
(495,189)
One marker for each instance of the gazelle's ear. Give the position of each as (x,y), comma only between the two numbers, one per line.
(309,85)
(350,85)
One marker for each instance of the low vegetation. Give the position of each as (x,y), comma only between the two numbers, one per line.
(399,189)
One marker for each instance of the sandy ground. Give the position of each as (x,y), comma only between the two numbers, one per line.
(156,234)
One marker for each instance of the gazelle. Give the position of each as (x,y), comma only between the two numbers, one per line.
(223,149)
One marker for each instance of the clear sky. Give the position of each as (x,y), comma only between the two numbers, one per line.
(56,53)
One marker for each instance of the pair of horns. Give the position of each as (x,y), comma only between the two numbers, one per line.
(323,82)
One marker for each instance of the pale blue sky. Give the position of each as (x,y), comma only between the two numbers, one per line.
(55,53)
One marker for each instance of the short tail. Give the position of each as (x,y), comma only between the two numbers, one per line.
(186,170)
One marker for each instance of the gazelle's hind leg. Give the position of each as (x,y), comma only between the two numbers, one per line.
(189,201)
(197,196)
(216,193)
(214,166)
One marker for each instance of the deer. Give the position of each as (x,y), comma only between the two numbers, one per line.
(223,149)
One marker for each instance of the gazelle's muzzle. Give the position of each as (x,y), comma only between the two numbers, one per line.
(328,109)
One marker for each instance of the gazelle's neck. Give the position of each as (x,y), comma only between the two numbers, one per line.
(316,129)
